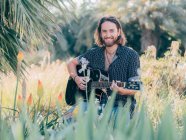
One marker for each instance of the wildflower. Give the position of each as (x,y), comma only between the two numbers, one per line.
(19,98)
(29,101)
(60,97)
(19,102)
(40,89)
(20,56)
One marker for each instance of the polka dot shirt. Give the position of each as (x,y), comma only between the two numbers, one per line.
(123,68)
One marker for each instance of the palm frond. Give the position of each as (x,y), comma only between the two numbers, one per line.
(22,22)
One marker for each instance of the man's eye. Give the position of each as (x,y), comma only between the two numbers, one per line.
(111,31)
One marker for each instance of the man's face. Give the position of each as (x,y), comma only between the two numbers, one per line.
(109,33)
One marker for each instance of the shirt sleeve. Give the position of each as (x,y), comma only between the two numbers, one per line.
(134,67)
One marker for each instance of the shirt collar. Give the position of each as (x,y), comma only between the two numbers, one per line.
(118,51)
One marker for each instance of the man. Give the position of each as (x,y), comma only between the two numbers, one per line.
(112,56)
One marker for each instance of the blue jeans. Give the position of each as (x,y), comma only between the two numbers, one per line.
(114,112)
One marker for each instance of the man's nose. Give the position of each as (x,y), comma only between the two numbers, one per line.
(108,34)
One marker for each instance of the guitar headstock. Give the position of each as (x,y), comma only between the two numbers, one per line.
(133,85)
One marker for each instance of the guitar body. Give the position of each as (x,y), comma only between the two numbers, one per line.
(98,80)
(72,90)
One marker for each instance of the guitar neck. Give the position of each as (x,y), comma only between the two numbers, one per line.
(104,84)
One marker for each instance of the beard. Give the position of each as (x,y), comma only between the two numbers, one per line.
(109,42)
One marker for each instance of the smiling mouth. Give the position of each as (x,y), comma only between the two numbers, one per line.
(108,39)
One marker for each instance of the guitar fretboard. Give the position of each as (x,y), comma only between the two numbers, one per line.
(106,84)
(128,85)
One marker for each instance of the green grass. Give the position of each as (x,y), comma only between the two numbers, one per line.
(160,113)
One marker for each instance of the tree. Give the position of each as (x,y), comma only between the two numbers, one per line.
(78,33)
(25,23)
(154,17)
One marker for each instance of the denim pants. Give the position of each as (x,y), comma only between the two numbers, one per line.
(114,112)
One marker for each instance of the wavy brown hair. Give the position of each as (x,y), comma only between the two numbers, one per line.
(97,35)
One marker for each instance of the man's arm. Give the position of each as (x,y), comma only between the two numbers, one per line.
(71,66)
(121,90)
(80,81)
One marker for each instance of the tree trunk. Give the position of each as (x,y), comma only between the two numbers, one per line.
(148,38)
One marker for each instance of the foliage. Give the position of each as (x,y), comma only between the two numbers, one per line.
(153,25)
(161,105)
(88,125)
(39,110)
(24,24)
(154,18)
(78,33)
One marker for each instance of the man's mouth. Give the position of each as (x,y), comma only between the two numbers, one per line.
(108,38)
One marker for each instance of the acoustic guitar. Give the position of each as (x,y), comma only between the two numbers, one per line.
(98,80)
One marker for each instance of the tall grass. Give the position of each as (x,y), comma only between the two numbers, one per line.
(160,113)
(53,77)
(88,125)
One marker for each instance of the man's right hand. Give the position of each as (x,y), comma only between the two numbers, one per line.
(81,82)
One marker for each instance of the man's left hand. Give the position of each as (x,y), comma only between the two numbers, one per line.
(114,86)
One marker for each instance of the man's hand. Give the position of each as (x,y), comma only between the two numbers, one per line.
(114,86)
(121,90)
(81,82)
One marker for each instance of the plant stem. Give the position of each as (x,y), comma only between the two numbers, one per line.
(15,97)
(38,104)
(1,110)
(1,102)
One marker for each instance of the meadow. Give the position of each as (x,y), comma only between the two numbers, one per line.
(40,104)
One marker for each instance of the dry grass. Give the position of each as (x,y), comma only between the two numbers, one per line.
(164,82)
(53,77)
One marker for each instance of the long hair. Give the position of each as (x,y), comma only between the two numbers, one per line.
(97,35)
